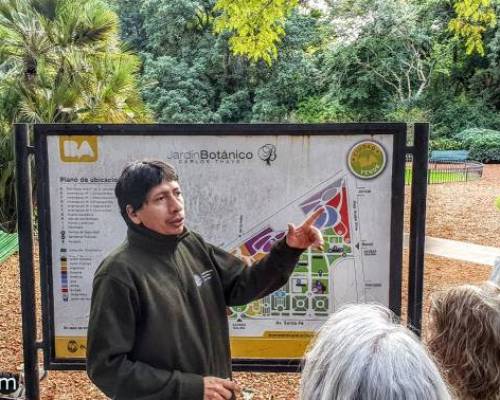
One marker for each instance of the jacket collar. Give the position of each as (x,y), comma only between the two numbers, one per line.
(140,236)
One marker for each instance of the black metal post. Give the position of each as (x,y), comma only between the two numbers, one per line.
(397,218)
(25,232)
(43,245)
(417,227)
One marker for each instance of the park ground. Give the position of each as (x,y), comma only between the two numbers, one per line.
(458,211)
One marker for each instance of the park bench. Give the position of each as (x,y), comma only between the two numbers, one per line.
(449,156)
(452,166)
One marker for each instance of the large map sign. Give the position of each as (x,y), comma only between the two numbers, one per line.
(241,187)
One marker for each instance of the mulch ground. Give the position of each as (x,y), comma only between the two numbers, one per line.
(459,211)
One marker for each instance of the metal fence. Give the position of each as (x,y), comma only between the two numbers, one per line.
(448,171)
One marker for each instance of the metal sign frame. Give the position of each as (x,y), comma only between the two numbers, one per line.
(42,131)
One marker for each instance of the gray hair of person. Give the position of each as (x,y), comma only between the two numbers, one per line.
(495,273)
(362,353)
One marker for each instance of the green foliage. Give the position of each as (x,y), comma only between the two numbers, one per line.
(483,144)
(407,114)
(60,61)
(64,61)
(256,26)
(497,203)
(356,60)
(446,144)
(8,100)
(388,66)
(131,22)
(7,190)
(473,18)
(451,114)
(486,148)
(185,27)
(438,176)
(253,61)
(320,110)
(178,91)
(469,134)
(191,75)
(396,61)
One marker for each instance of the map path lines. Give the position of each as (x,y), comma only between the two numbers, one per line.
(310,293)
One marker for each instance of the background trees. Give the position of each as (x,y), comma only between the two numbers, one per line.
(191,74)
(349,60)
(252,61)
(61,61)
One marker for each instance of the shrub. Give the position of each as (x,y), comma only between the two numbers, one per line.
(7,189)
(485,148)
(318,110)
(483,144)
(446,144)
(456,113)
(406,114)
(471,133)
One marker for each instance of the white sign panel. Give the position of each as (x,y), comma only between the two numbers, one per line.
(240,193)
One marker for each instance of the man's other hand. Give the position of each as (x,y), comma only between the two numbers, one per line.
(306,234)
(218,388)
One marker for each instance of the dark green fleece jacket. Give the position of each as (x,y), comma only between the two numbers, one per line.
(158,321)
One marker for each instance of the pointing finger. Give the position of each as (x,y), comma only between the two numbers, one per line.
(314,216)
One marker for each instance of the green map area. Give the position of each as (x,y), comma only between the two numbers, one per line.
(309,291)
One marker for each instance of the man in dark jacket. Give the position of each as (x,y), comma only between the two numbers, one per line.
(158,328)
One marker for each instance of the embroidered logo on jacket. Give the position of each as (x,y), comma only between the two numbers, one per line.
(205,276)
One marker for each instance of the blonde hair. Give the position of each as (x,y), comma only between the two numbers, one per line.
(464,336)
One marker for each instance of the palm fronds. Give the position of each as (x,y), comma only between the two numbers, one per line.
(62,60)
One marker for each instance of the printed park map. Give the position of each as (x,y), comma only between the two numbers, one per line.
(309,294)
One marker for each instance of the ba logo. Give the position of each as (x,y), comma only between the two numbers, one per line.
(267,153)
(78,148)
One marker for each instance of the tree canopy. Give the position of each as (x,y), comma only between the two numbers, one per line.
(64,62)
(190,73)
(257,26)
(61,61)
(250,61)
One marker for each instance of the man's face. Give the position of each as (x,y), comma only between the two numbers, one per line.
(163,210)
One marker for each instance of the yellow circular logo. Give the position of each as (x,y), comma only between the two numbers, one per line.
(367,159)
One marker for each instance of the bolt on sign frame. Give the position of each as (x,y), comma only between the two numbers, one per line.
(260,177)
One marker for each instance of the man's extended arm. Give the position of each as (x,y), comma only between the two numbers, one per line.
(243,284)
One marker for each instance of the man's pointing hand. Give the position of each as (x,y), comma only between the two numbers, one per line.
(306,234)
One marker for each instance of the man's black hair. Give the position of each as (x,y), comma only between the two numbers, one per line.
(137,179)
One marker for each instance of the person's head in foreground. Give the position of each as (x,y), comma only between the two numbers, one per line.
(362,353)
(149,195)
(464,336)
